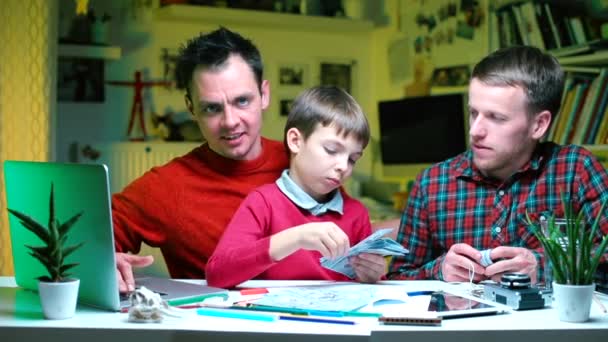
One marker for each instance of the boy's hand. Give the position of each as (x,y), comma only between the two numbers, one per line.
(325,237)
(368,267)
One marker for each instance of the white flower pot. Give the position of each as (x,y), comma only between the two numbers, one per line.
(58,300)
(573,302)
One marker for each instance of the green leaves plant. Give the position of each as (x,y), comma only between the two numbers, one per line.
(572,251)
(52,255)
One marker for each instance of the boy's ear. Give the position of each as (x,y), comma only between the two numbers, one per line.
(294,140)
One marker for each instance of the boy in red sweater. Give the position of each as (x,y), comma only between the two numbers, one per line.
(281,230)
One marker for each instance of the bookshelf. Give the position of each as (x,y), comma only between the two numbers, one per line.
(570,33)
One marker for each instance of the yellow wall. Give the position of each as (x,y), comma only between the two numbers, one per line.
(27,79)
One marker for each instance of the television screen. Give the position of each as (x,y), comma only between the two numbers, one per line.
(419,130)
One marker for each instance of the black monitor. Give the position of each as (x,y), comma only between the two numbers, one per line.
(421,130)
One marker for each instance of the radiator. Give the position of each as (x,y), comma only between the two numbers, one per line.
(129,160)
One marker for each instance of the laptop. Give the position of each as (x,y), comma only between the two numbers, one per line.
(79,187)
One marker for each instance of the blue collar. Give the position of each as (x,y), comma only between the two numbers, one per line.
(303,200)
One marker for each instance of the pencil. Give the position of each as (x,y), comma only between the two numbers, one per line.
(256,316)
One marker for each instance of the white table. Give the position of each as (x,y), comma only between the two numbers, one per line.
(21,318)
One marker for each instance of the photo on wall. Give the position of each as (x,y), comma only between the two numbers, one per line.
(293,75)
(285,106)
(338,74)
(80,80)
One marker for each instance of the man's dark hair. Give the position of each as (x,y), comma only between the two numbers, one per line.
(536,72)
(211,51)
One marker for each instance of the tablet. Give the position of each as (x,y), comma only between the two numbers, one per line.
(448,305)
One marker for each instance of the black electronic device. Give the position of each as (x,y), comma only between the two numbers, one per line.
(515,290)
(425,129)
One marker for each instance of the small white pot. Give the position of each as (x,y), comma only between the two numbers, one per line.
(573,302)
(58,300)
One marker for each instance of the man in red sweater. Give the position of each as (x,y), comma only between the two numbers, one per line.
(183,206)
(281,230)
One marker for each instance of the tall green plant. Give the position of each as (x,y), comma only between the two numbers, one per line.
(572,252)
(52,256)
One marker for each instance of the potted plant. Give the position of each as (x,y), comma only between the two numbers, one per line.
(58,292)
(573,257)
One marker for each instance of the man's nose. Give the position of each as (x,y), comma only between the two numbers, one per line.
(477,127)
(230,118)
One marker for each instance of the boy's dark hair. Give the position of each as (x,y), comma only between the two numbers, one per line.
(328,105)
(211,51)
(536,72)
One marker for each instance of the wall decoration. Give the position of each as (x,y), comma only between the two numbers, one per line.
(292,79)
(137,109)
(293,75)
(337,74)
(80,80)
(451,76)
(285,106)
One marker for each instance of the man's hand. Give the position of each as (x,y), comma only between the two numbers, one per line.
(514,259)
(368,267)
(459,261)
(124,264)
(325,237)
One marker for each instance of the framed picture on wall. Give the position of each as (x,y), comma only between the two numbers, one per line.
(337,73)
(80,80)
(285,106)
(293,75)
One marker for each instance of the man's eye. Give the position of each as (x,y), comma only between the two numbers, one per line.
(242,101)
(212,109)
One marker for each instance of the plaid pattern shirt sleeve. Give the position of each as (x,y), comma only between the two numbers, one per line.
(452,202)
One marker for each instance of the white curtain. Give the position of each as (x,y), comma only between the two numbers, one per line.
(28,68)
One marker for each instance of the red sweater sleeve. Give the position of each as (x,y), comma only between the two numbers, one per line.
(242,252)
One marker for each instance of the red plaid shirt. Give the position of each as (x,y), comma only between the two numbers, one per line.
(452,202)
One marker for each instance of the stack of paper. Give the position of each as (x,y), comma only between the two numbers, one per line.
(375,244)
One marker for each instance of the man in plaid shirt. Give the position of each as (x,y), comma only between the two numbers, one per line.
(478,200)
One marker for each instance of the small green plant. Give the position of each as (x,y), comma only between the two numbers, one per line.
(53,255)
(570,247)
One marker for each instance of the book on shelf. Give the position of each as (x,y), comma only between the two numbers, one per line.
(548,35)
(520,25)
(602,134)
(578,32)
(599,115)
(559,120)
(581,123)
(528,14)
(583,109)
(574,111)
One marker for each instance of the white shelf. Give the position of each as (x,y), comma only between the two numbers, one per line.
(89,51)
(231,16)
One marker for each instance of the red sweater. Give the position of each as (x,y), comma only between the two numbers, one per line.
(242,253)
(184,206)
